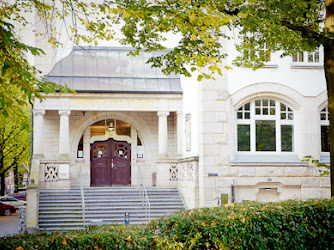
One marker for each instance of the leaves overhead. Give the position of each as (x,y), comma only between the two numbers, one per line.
(200,26)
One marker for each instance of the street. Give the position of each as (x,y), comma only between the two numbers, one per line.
(9,224)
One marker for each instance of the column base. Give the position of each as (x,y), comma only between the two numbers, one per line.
(32,230)
(163,157)
(38,156)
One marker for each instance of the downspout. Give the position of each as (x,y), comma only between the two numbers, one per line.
(233,191)
(31,134)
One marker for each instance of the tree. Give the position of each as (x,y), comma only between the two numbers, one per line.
(15,69)
(285,26)
(14,137)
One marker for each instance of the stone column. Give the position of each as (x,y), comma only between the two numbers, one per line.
(163,135)
(86,147)
(39,133)
(64,135)
(179,125)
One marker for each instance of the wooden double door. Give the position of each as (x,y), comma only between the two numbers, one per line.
(110,163)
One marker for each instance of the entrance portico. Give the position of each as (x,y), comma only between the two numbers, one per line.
(131,93)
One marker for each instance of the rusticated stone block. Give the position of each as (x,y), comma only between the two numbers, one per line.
(247,171)
(299,171)
(310,182)
(270,171)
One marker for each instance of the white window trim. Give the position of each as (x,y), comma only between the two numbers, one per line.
(306,64)
(323,123)
(252,122)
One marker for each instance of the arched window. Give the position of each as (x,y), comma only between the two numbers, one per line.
(101,127)
(324,126)
(265,125)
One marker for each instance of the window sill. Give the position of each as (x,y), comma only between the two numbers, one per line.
(325,159)
(265,160)
(305,66)
(270,66)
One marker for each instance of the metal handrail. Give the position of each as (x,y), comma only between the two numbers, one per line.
(144,195)
(148,204)
(82,199)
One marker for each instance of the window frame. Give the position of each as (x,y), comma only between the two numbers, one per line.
(278,126)
(305,55)
(324,122)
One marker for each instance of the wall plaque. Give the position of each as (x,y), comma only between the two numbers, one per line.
(64,171)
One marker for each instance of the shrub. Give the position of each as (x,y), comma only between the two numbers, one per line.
(253,225)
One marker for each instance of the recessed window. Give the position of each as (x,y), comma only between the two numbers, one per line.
(265,125)
(80,148)
(140,148)
(324,129)
(307,57)
(298,57)
(263,52)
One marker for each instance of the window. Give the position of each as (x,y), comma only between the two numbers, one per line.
(265,125)
(108,125)
(307,57)
(263,51)
(298,57)
(80,148)
(324,127)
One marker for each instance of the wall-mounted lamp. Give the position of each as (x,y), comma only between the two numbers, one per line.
(111,126)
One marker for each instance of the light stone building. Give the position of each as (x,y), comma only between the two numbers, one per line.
(240,137)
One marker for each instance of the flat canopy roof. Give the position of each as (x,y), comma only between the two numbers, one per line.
(111,70)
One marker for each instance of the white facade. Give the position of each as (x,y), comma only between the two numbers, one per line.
(190,139)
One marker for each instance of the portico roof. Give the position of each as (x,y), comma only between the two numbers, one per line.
(111,70)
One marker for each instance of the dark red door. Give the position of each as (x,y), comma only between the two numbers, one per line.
(110,163)
(121,163)
(100,163)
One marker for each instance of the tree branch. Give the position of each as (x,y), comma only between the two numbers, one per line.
(306,33)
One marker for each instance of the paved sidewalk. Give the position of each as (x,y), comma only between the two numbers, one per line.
(9,225)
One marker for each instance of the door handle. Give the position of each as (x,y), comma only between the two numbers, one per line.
(112,164)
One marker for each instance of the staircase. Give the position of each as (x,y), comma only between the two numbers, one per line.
(61,209)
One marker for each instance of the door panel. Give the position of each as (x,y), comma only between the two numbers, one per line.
(121,158)
(100,162)
(101,174)
(110,163)
(121,172)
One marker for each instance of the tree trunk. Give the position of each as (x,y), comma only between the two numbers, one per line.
(16,178)
(3,184)
(329,74)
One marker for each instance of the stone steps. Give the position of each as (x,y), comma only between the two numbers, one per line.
(61,209)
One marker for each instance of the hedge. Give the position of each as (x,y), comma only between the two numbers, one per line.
(253,225)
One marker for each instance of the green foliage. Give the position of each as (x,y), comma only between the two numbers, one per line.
(14,132)
(15,71)
(200,27)
(252,225)
(323,167)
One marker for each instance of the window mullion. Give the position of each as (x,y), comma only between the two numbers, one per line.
(252,127)
(278,127)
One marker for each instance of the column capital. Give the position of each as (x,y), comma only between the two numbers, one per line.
(39,112)
(163,113)
(64,112)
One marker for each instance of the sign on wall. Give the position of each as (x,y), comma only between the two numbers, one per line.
(64,171)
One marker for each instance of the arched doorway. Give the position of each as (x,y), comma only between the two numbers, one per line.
(110,163)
